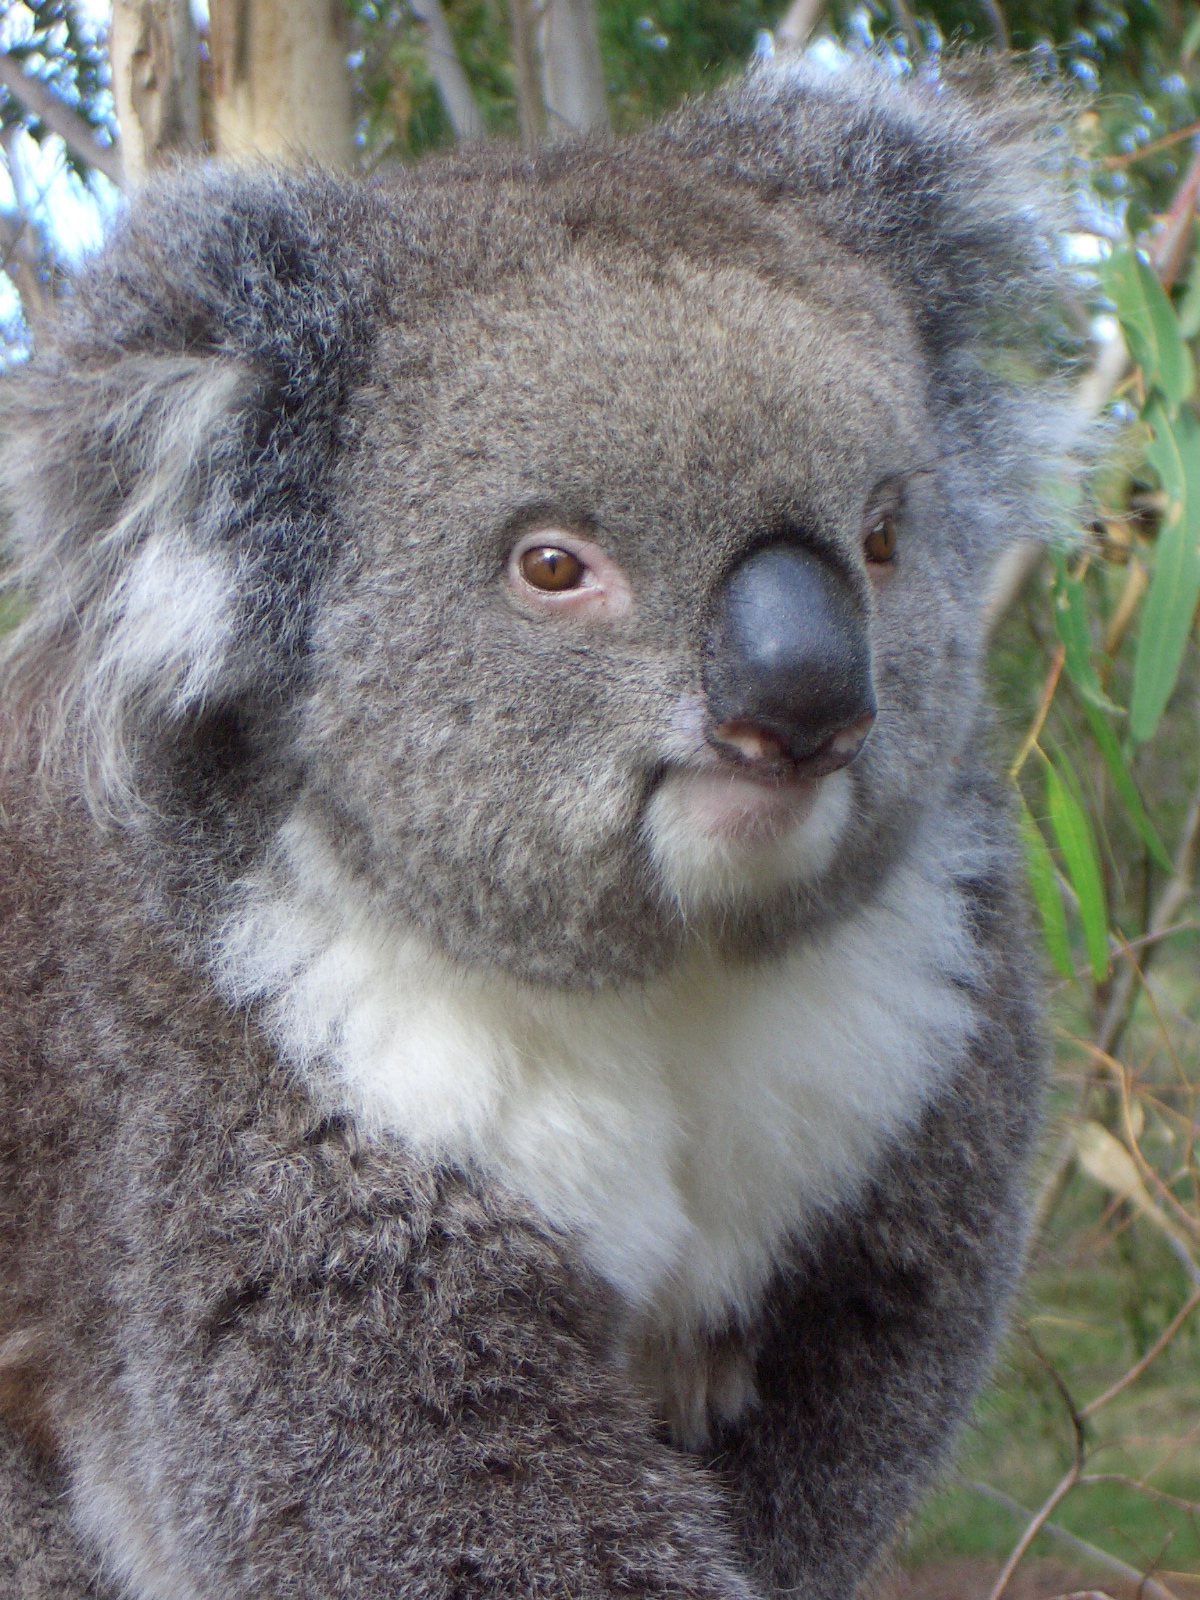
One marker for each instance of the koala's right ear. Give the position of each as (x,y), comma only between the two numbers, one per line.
(166,468)
(114,478)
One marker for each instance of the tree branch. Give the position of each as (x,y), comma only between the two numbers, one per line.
(1149,1588)
(58,116)
(796,25)
(446,71)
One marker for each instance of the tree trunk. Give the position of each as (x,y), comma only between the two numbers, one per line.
(154,56)
(572,77)
(281,87)
(523,24)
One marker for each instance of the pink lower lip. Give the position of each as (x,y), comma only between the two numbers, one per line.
(729,805)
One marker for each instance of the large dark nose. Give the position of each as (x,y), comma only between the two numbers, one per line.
(788,668)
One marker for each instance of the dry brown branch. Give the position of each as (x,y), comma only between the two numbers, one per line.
(61,119)
(1114,163)
(1033,1527)
(1066,1483)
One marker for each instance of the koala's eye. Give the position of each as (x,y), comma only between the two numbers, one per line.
(552,569)
(879,546)
(553,572)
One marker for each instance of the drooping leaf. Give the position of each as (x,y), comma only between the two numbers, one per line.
(1118,767)
(1170,604)
(1042,881)
(1107,1162)
(1149,324)
(1075,839)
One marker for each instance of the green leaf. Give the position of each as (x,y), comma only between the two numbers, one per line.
(1071,620)
(1042,881)
(1075,839)
(1170,604)
(1122,779)
(1148,321)
(1191,40)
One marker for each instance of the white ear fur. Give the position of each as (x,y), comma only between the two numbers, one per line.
(133,598)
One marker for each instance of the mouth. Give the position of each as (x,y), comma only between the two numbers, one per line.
(737,805)
(751,789)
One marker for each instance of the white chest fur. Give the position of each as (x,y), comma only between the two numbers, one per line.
(683,1130)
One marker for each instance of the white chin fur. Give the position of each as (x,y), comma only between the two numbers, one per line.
(719,839)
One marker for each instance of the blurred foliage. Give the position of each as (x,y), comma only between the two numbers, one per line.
(54,41)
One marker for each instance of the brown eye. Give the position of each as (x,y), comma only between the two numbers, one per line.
(549,567)
(880,544)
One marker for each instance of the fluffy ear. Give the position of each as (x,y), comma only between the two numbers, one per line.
(112,472)
(958,188)
(955,184)
(166,468)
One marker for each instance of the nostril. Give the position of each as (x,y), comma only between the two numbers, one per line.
(750,740)
(760,747)
(847,742)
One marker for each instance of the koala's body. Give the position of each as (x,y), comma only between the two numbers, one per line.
(518,1032)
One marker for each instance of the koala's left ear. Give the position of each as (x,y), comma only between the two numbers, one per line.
(956,188)
(956,185)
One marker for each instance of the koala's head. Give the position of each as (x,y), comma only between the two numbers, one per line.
(589,554)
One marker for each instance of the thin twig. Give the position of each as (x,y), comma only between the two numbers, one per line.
(1155,1350)
(1192,1507)
(1034,1526)
(1116,162)
(1148,1588)
(1043,711)
(1064,1486)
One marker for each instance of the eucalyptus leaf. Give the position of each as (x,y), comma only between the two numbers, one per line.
(1044,885)
(1071,621)
(1148,321)
(1077,843)
(1122,778)
(1170,604)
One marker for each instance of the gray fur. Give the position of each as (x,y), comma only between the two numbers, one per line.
(264,479)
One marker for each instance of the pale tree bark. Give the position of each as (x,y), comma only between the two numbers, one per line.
(154,54)
(797,23)
(281,87)
(446,71)
(572,77)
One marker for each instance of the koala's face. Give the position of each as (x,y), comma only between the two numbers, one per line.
(655,622)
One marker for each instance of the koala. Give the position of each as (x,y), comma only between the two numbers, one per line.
(519,1032)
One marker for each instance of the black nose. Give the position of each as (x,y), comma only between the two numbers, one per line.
(788,668)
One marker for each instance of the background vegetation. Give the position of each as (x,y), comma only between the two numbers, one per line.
(1088,1444)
